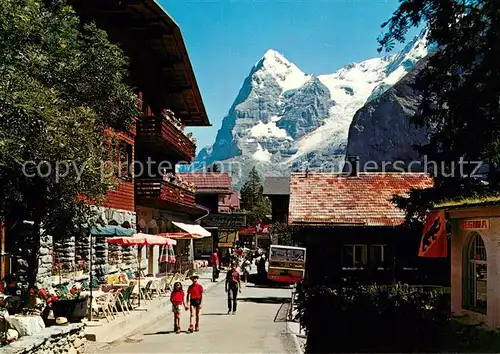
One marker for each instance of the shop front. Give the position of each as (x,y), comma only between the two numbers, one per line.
(156,221)
(475,251)
(226,227)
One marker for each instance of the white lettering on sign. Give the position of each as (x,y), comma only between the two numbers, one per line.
(478,224)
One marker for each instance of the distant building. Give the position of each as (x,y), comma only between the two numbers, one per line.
(214,192)
(352,229)
(277,189)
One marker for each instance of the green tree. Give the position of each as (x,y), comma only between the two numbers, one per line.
(63,84)
(252,199)
(460,87)
(283,234)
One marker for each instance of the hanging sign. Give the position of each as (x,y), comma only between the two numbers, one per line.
(434,243)
(225,221)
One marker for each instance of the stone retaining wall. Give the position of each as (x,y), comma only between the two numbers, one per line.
(68,338)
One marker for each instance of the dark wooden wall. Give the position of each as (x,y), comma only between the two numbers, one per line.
(324,256)
(122,196)
(210,201)
(280,205)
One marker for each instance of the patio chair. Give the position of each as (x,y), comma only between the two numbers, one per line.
(157,287)
(102,304)
(61,289)
(170,282)
(95,283)
(125,297)
(115,296)
(141,292)
(119,303)
(146,291)
(162,286)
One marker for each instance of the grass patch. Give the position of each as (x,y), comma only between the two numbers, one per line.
(476,201)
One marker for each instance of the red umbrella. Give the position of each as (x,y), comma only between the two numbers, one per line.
(141,240)
(180,236)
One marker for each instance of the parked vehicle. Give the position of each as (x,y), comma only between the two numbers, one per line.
(287,264)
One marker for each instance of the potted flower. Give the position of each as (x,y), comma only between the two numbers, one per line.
(71,304)
(168,177)
(45,298)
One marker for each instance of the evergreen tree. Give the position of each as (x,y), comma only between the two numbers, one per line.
(460,88)
(252,199)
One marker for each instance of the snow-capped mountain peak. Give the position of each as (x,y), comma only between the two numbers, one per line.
(283,117)
(285,73)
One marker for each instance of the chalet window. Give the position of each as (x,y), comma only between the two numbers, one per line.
(354,256)
(125,162)
(377,255)
(475,284)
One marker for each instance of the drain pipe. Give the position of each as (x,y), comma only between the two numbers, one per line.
(204,216)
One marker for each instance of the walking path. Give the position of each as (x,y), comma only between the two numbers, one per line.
(258,327)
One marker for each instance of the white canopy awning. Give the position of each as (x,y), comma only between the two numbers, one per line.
(192,228)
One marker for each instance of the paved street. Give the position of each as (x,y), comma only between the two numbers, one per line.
(257,327)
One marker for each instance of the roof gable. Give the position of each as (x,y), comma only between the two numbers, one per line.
(277,186)
(209,182)
(363,200)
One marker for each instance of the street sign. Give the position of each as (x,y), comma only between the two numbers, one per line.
(225,221)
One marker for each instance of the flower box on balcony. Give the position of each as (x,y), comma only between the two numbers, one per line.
(163,192)
(152,129)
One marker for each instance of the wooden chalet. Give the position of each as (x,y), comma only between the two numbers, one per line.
(161,71)
(353,230)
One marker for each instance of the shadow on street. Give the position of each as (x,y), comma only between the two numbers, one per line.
(265,300)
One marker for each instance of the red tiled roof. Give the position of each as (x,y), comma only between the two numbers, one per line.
(328,198)
(229,202)
(209,182)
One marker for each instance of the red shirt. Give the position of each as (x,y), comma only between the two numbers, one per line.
(177,297)
(195,291)
(233,276)
(215,259)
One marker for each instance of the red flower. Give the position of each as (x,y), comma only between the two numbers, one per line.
(52,299)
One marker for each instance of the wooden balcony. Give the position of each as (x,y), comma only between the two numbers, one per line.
(155,192)
(163,134)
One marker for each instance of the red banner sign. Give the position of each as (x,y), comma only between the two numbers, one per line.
(434,243)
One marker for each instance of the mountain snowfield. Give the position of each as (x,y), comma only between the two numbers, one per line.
(284,119)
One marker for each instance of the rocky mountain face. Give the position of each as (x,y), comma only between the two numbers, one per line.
(381,133)
(284,119)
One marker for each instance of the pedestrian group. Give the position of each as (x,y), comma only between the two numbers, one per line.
(193,300)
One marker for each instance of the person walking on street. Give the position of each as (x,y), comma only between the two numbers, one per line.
(177,300)
(195,301)
(245,268)
(233,286)
(215,265)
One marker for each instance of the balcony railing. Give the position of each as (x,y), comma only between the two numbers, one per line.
(155,129)
(156,191)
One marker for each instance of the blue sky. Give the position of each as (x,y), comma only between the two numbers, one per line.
(225,38)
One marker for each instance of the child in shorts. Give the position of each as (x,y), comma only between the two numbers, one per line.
(177,300)
(195,300)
